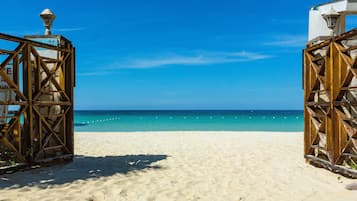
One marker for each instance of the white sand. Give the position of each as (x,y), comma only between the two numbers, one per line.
(185,166)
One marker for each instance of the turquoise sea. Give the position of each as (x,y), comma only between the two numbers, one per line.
(192,120)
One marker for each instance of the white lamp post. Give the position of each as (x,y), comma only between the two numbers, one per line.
(47,17)
(331,18)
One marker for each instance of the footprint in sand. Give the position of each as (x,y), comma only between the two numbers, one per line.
(351,187)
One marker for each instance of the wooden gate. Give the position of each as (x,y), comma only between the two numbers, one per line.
(36,100)
(330,109)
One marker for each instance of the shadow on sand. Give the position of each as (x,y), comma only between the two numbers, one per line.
(82,168)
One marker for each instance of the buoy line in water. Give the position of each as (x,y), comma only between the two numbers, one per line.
(116,118)
(97,121)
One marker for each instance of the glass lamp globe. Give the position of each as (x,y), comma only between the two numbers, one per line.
(331,18)
(47,17)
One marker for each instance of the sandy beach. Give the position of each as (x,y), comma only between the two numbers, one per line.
(187,166)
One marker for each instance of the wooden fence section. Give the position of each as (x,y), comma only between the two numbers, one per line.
(330,104)
(36,100)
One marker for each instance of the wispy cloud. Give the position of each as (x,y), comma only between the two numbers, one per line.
(69,29)
(41,31)
(288,21)
(165,59)
(288,41)
(203,58)
(94,73)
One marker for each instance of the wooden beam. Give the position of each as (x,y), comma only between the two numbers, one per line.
(31,42)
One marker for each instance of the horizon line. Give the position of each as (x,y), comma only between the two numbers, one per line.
(189,110)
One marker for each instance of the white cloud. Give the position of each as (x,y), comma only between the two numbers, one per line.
(94,73)
(69,29)
(288,41)
(159,60)
(250,56)
(204,58)
(41,31)
(288,21)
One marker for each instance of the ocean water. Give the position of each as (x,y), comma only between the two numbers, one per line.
(262,120)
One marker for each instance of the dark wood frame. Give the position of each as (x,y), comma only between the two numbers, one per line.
(31,135)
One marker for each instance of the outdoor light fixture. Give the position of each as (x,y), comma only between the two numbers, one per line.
(331,18)
(47,17)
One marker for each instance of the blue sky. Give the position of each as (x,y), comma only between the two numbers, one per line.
(177,54)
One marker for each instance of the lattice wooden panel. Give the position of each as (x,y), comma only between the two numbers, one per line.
(330,91)
(39,127)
